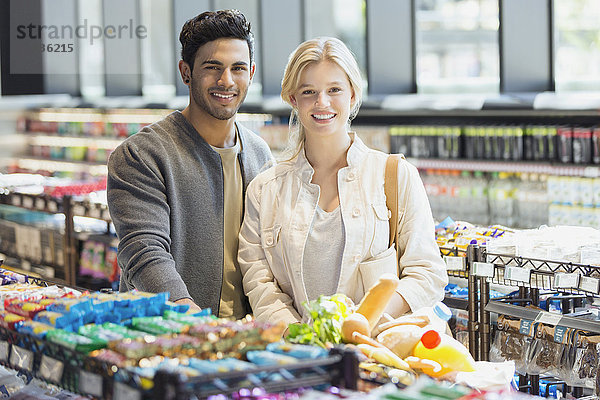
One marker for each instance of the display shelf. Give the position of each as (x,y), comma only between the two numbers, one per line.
(546,168)
(44,164)
(79,373)
(544,274)
(541,316)
(339,369)
(71,209)
(100,142)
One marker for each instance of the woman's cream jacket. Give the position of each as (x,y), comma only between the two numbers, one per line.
(280,205)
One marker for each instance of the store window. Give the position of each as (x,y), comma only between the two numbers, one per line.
(577,45)
(457,47)
(91,54)
(158,71)
(343,19)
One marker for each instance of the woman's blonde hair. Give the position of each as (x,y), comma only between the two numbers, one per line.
(309,52)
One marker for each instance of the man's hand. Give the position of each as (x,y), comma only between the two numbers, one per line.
(193,306)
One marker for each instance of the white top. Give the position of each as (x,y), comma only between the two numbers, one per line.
(323,253)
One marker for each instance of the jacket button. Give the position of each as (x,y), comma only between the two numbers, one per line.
(356,258)
(356,212)
(269,241)
(351,176)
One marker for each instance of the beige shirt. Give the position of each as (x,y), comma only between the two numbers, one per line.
(233,302)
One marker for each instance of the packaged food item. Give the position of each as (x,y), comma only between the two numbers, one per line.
(136,348)
(301,351)
(187,319)
(57,320)
(10,321)
(220,366)
(158,325)
(24,308)
(263,358)
(103,333)
(112,357)
(34,328)
(73,341)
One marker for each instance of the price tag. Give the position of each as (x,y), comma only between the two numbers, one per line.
(591,285)
(482,269)
(15,200)
(566,281)
(4,347)
(51,369)
(124,392)
(90,383)
(79,210)
(517,274)
(560,334)
(27,202)
(548,318)
(40,204)
(454,263)
(525,327)
(52,206)
(21,358)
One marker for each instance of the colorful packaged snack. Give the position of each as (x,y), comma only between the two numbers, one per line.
(10,321)
(55,319)
(188,319)
(34,328)
(112,357)
(158,325)
(73,341)
(301,351)
(136,348)
(263,357)
(25,309)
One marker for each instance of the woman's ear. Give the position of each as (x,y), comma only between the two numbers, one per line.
(293,100)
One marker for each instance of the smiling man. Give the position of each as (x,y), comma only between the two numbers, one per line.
(175,189)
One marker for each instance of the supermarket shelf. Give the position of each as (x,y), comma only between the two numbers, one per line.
(542,316)
(55,165)
(508,166)
(339,369)
(544,274)
(74,141)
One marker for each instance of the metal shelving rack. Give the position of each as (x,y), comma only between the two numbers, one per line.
(70,208)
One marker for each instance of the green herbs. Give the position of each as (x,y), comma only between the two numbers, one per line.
(327,314)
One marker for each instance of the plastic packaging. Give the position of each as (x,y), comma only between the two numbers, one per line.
(439,314)
(446,351)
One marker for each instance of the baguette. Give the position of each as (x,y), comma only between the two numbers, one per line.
(377,298)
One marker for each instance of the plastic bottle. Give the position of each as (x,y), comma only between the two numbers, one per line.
(446,351)
(439,314)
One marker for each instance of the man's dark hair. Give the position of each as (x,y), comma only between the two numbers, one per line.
(213,25)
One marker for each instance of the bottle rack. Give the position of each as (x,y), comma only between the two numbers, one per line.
(70,208)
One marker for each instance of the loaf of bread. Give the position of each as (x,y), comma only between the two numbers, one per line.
(401,339)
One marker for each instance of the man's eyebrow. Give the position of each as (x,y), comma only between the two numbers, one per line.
(217,62)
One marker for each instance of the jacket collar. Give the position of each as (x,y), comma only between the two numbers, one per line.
(356,153)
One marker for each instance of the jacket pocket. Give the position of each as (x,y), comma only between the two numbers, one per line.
(269,237)
(382,212)
(372,268)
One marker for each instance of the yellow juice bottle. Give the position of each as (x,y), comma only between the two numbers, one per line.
(446,351)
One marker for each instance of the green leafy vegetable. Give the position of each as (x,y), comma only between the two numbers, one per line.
(327,314)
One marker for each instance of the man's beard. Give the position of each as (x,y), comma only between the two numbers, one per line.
(221,113)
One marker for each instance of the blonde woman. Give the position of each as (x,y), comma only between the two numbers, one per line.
(317,224)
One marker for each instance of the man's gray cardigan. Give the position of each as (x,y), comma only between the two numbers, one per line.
(165,195)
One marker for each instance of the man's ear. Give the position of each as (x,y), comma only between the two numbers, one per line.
(252,71)
(185,71)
